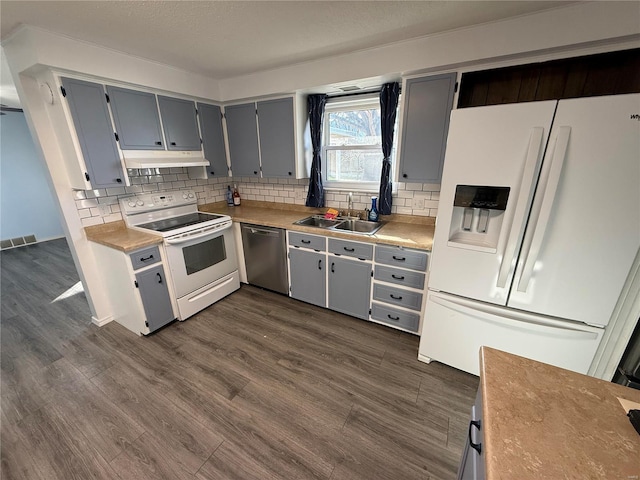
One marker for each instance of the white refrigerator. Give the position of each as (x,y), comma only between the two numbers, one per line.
(538,226)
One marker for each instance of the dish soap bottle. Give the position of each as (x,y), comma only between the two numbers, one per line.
(373,213)
(229,196)
(236,196)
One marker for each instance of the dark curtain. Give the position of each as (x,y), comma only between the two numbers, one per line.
(315,106)
(388,108)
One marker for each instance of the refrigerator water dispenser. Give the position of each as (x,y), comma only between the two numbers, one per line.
(478,212)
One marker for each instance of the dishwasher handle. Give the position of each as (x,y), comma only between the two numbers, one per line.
(262,231)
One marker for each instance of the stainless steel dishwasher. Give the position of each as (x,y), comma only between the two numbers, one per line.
(265,257)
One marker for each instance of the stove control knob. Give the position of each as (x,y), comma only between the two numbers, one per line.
(132,203)
(191,195)
(140,203)
(185,195)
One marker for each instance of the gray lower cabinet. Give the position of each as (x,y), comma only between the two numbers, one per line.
(90,115)
(155,297)
(136,117)
(349,286)
(213,140)
(472,462)
(427,103)
(277,138)
(180,123)
(308,276)
(242,134)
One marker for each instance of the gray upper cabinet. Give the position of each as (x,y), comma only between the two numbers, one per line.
(349,286)
(90,115)
(137,121)
(213,140)
(180,123)
(277,138)
(242,133)
(308,276)
(155,297)
(427,103)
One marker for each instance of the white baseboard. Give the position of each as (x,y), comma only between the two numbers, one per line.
(101,321)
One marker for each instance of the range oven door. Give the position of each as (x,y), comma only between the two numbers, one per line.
(200,258)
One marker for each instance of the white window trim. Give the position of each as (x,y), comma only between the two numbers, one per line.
(350,103)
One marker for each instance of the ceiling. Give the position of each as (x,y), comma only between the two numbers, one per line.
(223,39)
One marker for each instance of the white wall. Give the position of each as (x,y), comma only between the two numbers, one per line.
(27,206)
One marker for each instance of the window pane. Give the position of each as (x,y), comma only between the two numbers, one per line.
(353,165)
(355,127)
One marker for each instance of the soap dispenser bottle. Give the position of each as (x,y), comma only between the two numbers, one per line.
(373,213)
(229,196)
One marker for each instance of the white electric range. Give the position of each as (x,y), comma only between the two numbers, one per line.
(199,247)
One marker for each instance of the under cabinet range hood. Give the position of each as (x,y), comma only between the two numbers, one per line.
(163,159)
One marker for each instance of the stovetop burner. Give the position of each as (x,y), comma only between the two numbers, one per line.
(169,224)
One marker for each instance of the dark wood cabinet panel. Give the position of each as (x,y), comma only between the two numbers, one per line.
(592,75)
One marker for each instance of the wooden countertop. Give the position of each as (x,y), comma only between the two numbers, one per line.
(544,422)
(117,235)
(402,230)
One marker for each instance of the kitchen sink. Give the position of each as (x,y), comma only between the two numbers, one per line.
(359,226)
(345,225)
(317,221)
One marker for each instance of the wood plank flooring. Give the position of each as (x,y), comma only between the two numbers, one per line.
(257,386)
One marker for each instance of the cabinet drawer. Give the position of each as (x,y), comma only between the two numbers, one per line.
(401,277)
(397,296)
(363,251)
(144,257)
(400,257)
(308,241)
(398,318)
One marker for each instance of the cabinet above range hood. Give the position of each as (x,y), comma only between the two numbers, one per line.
(163,159)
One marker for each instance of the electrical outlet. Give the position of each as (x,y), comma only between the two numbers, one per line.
(104,210)
(418,202)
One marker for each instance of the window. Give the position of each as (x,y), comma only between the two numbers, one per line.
(352,143)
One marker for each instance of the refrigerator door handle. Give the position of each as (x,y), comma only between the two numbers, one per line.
(545,206)
(526,189)
(504,317)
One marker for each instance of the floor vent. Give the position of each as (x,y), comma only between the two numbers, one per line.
(17,242)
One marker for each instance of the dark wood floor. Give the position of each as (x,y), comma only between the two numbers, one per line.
(258,386)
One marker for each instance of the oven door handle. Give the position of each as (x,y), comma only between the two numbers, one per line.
(205,232)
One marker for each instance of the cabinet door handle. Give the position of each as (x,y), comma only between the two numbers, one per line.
(173,144)
(332,269)
(394,297)
(320,264)
(393,318)
(118,180)
(144,259)
(306,241)
(399,259)
(476,446)
(159,278)
(397,277)
(158,143)
(349,249)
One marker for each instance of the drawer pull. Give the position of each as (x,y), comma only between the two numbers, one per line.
(305,241)
(393,318)
(399,297)
(349,249)
(476,446)
(397,277)
(399,259)
(320,264)
(144,259)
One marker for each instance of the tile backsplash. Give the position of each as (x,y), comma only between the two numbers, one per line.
(101,206)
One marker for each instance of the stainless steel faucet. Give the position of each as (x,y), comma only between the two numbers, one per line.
(350,204)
